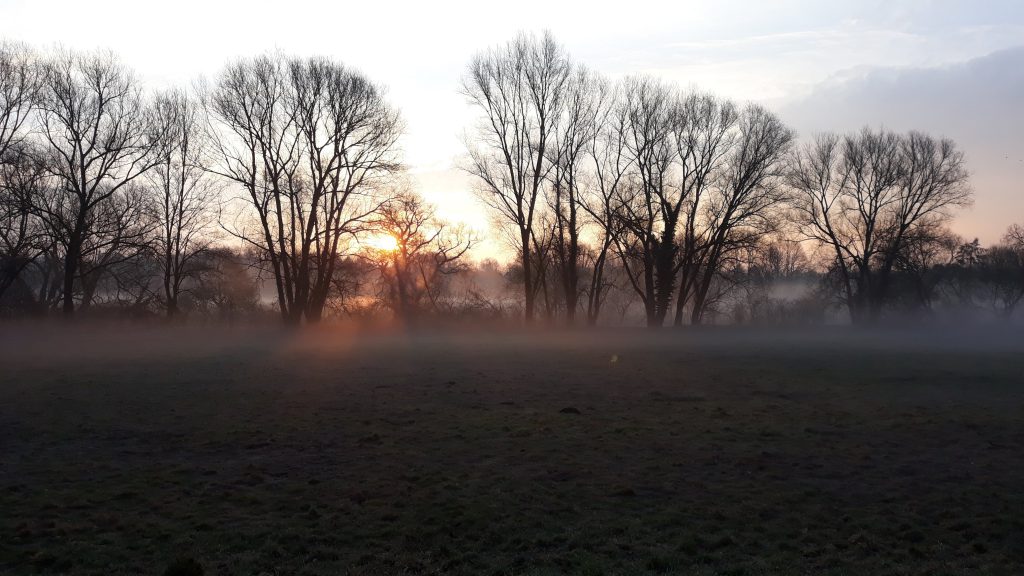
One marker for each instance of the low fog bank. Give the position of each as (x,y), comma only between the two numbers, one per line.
(42,344)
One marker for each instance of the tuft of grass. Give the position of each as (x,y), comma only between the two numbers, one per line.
(184,567)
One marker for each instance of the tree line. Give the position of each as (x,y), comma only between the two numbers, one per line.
(266,187)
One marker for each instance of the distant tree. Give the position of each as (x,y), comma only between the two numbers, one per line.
(782,258)
(924,263)
(519,89)
(426,250)
(224,286)
(959,285)
(864,195)
(969,254)
(778,283)
(114,260)
(1014,237)
(351,286)
(1001,273)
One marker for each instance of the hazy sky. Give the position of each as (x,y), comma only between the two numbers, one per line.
(946,67)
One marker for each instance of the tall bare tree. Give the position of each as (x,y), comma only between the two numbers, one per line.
(748,196)
(701,182)
(574,139)
(185,194)
(99,139)
(704,136)
(863,195)
(610,174)
(518,89)
(308,140)
(20,173)
(650,213)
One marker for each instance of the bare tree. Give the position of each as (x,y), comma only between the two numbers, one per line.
(20,170)
(544,266)
(308,141)
(610,175)
(99,139)
(23,238)
(519,90)
(683,182)
(116,252)
(704,135)
(19,87)
(574,139)
(749,195)
(426,250)
(185,194)
(1002,273)
(924,261)
(1014,237)
(224,285)
(863,195)
(649,210)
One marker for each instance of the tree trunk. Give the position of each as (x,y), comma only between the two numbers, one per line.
(71,270)
(596,286)
(681,299)
(528,292)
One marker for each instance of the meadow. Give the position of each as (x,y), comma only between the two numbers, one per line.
(717,451)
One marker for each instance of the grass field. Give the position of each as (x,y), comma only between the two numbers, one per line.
(703,452)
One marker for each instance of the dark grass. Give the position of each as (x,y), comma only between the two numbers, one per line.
(711,452)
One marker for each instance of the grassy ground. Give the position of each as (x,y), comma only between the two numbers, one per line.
(711,452)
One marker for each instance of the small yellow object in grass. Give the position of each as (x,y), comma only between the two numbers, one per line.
(615,358)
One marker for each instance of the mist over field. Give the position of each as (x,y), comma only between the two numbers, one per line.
(714,450)
(705,288)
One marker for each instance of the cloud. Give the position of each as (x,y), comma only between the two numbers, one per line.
(978,103)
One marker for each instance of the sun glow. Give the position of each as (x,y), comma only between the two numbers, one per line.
(383,242)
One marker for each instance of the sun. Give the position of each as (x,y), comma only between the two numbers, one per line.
(383,242)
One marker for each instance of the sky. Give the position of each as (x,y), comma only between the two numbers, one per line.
(951,68)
